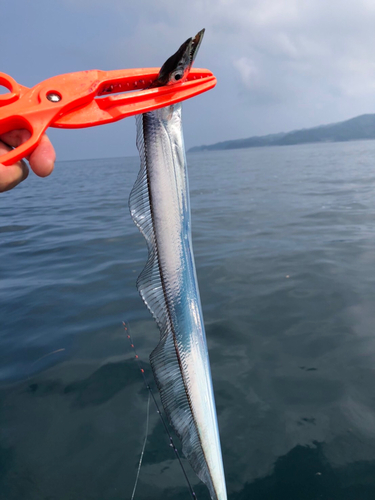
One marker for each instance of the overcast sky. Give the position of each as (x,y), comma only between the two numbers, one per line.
(280,64)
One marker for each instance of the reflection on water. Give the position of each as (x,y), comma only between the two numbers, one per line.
(305,472)
(284,241)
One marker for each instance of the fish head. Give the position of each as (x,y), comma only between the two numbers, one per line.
(177,67)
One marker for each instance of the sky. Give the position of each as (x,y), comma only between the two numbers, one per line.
(280,64)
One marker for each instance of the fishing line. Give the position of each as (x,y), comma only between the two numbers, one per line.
(143,447)
(171,443)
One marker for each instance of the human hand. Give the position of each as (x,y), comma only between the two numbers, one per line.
(41,160)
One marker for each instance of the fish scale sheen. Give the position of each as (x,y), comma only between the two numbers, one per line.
(160,206)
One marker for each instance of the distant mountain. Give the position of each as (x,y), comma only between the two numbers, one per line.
(360,127)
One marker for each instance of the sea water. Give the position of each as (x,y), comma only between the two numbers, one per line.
(284,241)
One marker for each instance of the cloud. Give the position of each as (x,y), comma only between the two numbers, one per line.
(291,63)
(280,64)
(249,73)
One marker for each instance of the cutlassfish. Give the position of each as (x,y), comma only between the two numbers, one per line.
(160,207)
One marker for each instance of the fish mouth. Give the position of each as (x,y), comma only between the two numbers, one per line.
(195,44)
(177,67)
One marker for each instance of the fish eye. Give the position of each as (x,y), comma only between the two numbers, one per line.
(177,76)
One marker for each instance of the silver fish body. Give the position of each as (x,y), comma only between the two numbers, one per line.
(160,207)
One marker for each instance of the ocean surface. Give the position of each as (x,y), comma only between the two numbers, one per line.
(284,240)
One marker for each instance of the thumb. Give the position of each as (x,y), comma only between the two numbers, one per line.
(11,175)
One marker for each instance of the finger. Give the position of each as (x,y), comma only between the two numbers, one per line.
(13,174)
(42,159)
(16,137)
